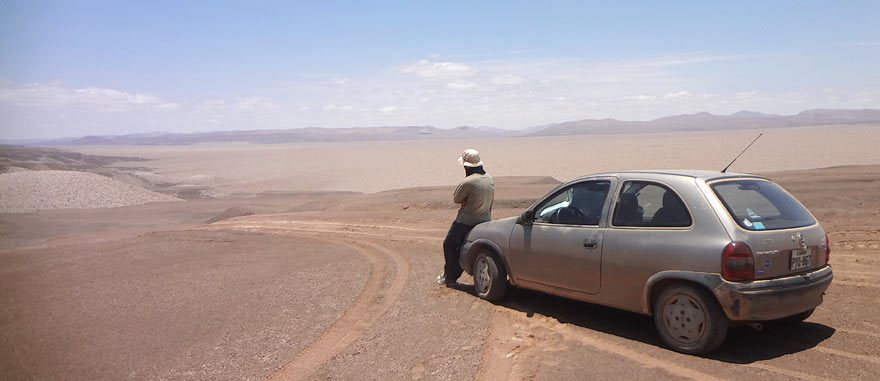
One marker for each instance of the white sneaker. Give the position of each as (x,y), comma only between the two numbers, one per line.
(441,279)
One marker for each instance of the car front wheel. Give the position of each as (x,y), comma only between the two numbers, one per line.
(490,278)
(689,319)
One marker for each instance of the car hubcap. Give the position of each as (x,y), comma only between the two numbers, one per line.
(684,319)
(481,278)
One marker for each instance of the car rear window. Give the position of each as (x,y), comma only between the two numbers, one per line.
(761,205)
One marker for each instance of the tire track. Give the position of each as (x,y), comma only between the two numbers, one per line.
(502,353)
(343,225)
(645,360)
(370,305)
(857,273)
(363,226)
(383,236)
(375,298)
(850,355)
(495,360)
(348,327)
(858,332)
(857,284)
(504,349)
(786,372)
(498,355)
(823,348)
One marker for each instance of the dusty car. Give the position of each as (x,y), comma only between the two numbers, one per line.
(698,250)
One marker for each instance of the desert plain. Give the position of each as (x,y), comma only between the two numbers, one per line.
(318,260)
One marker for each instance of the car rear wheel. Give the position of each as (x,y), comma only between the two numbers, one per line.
(689,319)
(490,278)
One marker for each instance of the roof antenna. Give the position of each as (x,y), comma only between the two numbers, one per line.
(740,154)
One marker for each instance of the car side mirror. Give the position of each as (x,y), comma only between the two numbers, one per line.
(526,217)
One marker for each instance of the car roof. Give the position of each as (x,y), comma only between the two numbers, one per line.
(661,173)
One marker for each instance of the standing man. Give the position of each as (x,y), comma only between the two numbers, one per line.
(475,194)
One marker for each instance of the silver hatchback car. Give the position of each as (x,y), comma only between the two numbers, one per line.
(698,250)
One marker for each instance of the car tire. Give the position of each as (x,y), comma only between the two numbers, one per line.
(490,277)
(796,318)
(689,319)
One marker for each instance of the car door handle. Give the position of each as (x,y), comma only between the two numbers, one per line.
(589,244)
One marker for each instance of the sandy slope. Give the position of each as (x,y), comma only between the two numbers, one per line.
(28,191)
(340,286)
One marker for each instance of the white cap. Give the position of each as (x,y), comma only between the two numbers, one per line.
(470,158)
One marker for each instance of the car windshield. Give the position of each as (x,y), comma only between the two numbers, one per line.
(761,205)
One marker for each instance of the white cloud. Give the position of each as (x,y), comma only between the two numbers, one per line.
(98,94)
(256,104)
(685,59)
(639,97)
(101,99)
(506,79)
(679,94)
(461,85)
(438,70)
(333,107)
(210,106)
(510,93)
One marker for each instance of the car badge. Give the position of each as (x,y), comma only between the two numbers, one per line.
(801,241)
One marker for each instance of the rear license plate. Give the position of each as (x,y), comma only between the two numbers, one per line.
(800,259)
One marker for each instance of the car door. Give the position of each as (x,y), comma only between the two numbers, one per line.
(651,229)
(562,247)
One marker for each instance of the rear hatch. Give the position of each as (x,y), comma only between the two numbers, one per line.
(784,237)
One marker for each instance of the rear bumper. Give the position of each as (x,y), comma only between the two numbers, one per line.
(774,298)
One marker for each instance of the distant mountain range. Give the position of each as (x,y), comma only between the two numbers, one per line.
(705,121)
(310,134)
(688,122)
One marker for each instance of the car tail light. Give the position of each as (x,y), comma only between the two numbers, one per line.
(827,249)
(737,262)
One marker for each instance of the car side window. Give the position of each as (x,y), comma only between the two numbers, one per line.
(578,204)
(649,204)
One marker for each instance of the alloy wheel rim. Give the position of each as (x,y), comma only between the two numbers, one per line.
(482,279)
(684,318)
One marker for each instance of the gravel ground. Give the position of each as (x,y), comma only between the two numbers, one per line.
(322,285)
(29,191)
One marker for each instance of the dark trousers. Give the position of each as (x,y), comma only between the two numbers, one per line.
(451,249)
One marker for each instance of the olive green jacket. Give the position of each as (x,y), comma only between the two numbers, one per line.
(476,193)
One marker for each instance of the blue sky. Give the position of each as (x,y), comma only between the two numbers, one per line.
(73,68)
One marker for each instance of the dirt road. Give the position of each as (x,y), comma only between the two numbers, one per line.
(341,287)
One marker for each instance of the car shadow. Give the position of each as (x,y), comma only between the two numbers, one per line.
(743,345)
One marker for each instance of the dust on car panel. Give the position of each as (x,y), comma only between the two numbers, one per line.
(698,250)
